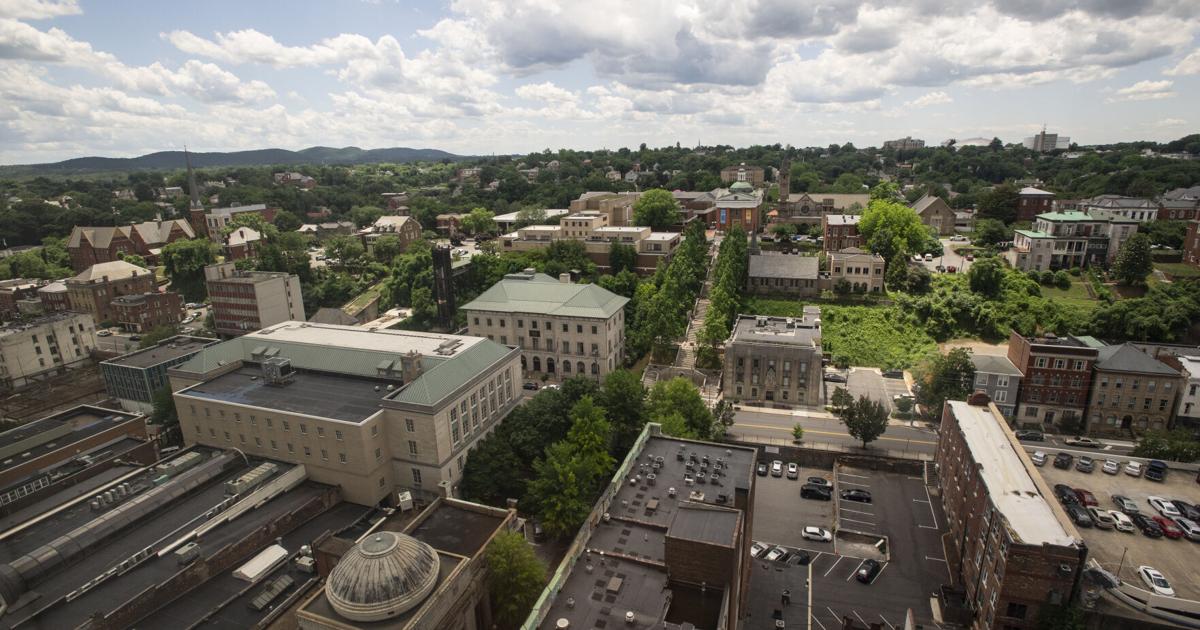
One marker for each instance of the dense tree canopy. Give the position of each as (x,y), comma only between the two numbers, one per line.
(656,208)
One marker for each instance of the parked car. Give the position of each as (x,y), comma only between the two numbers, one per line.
(951,269)
(1187,510)
(1086,497)
(1121,522)
(1163,506)
(1085,464)
(1085,442)
(969,257)
(834,377)
(1063,460)
(940,269)
(1146,525)
(761,469)
(775,553)
(1168,526)
(1079,514)
(1155,581)
(1101,518)
(1066,494)
(539,532)
(1190,528)
(819,481)
(818,534)
(1127,505)
(1133,469)
(855,494)
(135,337)
(793,470)
(816,492)
(867,571)
(777,468)
(530,385)
(799,557)
(189,319)
(757,549)
(1029,435)
(1111,467)
(928,257)
(1156,470)
(958,238)
(1039,458)
(103,333)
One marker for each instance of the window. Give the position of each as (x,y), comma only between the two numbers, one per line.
(258,442)
(1079,365)
(416,472)
(1001,396)
(291,449)
(564,328)
(593,330)
(237,417)
(1016,611)
(579,328)
(981,380)
(378,454)
(1031,412)
(1040,362)
(286,426)
(1060,364)
(476,321)
(320,431)
(307,452)
(324,455)
(342,457)
(212,432)
(274,446)
(270,423)
(412,447)
(337,435)
(520,324)
(227,438)
(303,429)
(502,323)
(1001,381)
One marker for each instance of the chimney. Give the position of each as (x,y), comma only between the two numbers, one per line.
(564,277)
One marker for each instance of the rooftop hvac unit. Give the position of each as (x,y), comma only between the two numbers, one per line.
(278,370)
(405,500)
(306,564)
(187,553)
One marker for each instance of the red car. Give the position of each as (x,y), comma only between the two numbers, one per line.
(1085,497)
(1169,528)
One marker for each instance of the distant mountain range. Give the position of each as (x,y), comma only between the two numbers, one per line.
(167,160)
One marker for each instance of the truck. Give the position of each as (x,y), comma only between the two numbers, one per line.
(1156,470)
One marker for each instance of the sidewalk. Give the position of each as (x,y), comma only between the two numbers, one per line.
(795,413)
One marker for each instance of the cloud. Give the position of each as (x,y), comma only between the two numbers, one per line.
(1144,91)
(38,9)
(1188,65)
(932,98)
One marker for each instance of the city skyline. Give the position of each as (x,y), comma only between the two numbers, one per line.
(477,78)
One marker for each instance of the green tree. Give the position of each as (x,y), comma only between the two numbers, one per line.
(624,400)
(530,216)
(1134,261)
(1000,203)
(1177,445)
(1165,233)
(891,228)
(679,396)
(621,257)
(840,400)
(133,259)
(184,262)
(865,420)
(157,334)
(163,413)
(345,249)
(516,577)
(797,432)
(479,221)
(656,208)
(945,377)
(573,470)
(386,248)
(986,276)
(362,216)
(990,232)
(286,221)
(1060,617)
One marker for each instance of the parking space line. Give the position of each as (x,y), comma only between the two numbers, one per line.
(860,563)
(846,474)
(929,500)
(854,520)
(887,622)
(935,559)
(920,501)
(917,478)
(835,615)
(814,618)
(864,621)
(830,570)
(881,570)
(851,483)
(858,511)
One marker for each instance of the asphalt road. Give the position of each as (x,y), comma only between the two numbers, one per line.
(949,258)
(819,428)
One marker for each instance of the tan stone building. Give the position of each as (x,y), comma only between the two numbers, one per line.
(617,206)
(753,175)
(862,269)
(40,348)
(1131,390)
(936,213)
(563,329)
(593,229)
(774,360)
(368,410)
(809,208)
(404,228)
(94,290)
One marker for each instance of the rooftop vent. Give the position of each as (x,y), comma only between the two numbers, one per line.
(278,370)
(448,347)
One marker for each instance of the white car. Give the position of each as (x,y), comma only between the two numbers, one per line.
(103,333)
(1133,469)
(1039,458)
(1155,581)
(1111,467)
(793,470)
(775,553)
(757,549)
(1164,507)
(777,468)
(928,257)
(1101,518)
(1190,528)
(1120,521)
(189,319)
(817,533)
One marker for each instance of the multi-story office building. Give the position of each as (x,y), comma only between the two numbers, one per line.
(133,379)
(775,360)
(1132,390)
(563,329)
(1046,142)
(841,231)
(597,235)
(94,290)
(907,143)
(367,410)
(1011,549)
(997,377)
(1056,376)
(37,349)
(142,312)
(244,301)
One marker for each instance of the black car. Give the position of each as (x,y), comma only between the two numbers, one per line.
(1079,514)
(834,377)
(1149,528)
(819,481)
(801,558)
(761,469)
(862,496)
(1029,435)
(1066,494)
(813,491)
(867,571)
(530,385)
(1063,460)
(1189,511)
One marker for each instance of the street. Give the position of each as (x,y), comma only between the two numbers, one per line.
(824,428)
(948,257)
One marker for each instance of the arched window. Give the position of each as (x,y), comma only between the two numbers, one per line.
(537,364)
(566,366)
(595,368)
(579,367)
(550,365)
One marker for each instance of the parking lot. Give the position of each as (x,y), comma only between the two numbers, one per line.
(1176,559)
(901,509)
(869,382)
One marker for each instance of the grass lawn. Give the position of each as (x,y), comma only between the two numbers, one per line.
(1178,270)
(873,336)
(1076,295)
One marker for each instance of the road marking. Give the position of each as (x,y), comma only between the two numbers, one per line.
(830,570)
(927,527)
(919,501)
(864,621)
(887,622)
(814,618)
(917,478)
(935,559)
(846,474)
(851,483)
(855,570)
(881,570)
(788,430)
(872,524)
(929,500)
(858,512)
(835,615)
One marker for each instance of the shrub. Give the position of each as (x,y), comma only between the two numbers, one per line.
(1046,277)
(1076,271)
(1062,280)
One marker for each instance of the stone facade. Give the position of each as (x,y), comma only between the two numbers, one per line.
(862,269)
(775,360)
(1132,391)
(935,213)
(753,175)
(44,347)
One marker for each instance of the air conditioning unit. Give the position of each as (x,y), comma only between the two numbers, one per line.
(405,500)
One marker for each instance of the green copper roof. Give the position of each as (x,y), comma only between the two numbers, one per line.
(443,377)
(1033,234)
(539,294)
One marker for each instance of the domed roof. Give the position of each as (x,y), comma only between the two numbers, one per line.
(741,187)
(384,575)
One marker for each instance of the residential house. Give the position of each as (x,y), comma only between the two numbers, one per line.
(861,269)
(404,228)
(1132,392)
(936,213)
(1135,209)
(1188,414)
(840,231)
(94,290)
(242,243)
(217,219)
(299,180)
(997,377)
(1056,376)
(1062,240)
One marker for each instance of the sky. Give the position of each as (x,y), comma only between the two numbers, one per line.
(121,78)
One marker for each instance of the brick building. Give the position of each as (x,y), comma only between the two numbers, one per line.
(753,175)
(1056,376)
(142,312)
(29,450)
(54,297)
(245,301)
(841,231)
(88,246)
(741,205)
(215,220)
(404,228)
(810,208)
(1132,390)
(618,207)
(1032,202)
(935,213)
(13,291)
(1010,547)
(94,290)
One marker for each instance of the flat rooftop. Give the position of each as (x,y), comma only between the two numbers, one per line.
(320,394)
(168,350)
(801,331)
(1013,491)
(456,529)
(69,427)
(627,552)
(359,338)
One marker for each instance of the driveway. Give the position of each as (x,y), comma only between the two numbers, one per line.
(948,257)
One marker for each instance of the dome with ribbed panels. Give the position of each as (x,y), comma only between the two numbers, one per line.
(384,575)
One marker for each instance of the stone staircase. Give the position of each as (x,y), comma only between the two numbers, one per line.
(686,358)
